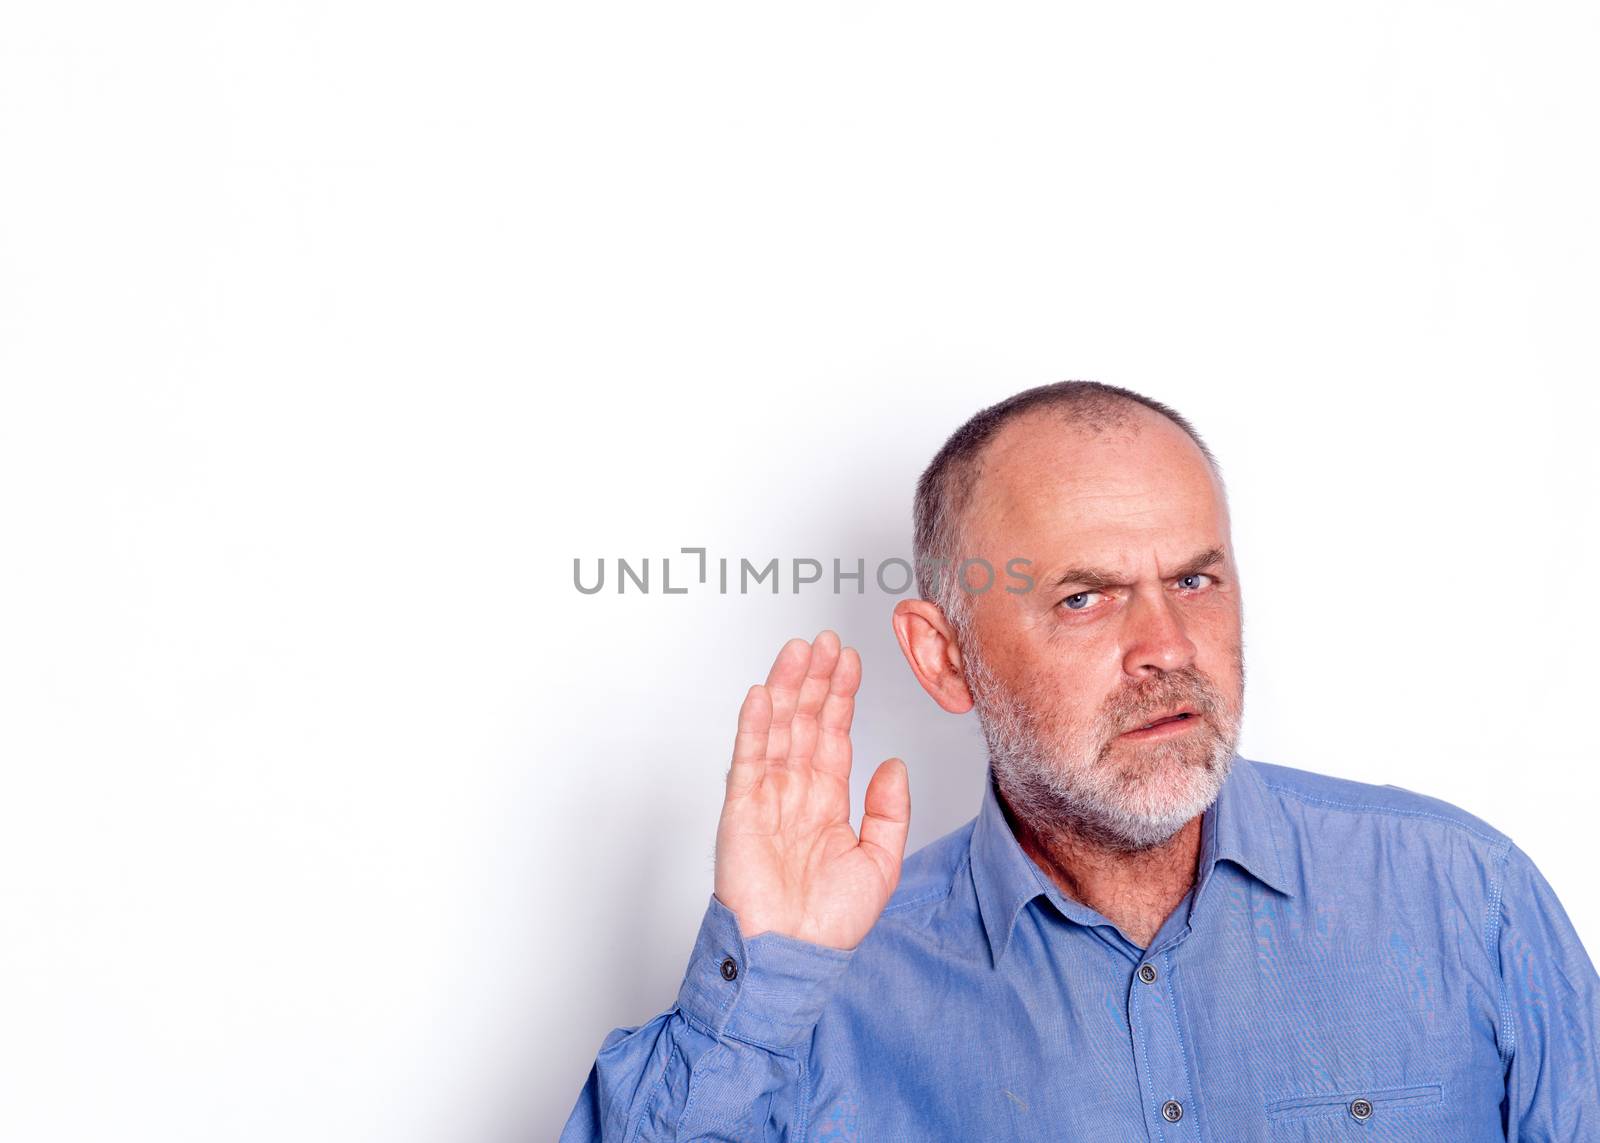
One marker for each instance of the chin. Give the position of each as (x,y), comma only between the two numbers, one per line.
(1167,800)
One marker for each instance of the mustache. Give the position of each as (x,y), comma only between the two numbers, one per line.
(1187,689)
(1036,708)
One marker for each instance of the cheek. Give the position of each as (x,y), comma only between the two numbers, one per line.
(1216,632)
(1224,666)
(1068,693)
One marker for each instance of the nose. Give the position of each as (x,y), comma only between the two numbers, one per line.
(1154,637)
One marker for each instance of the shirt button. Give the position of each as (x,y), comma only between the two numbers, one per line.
(1147,973)
(1172,1111)
(1360,1109)
(729,968)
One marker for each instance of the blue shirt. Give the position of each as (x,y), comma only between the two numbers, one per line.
(1353,962)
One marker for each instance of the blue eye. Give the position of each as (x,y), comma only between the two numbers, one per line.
(1079,600)
(1183,580)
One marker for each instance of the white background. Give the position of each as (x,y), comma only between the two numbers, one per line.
(331,333)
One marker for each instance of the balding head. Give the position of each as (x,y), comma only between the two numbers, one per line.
(950,483)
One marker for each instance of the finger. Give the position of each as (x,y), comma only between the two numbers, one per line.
(813,690)
(750,743)
(787,674)
(887,818)
(832,754)
(783,687)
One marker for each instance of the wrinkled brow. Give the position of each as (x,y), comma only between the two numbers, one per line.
(1103,577)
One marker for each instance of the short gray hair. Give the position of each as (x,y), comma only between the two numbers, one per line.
(947,484)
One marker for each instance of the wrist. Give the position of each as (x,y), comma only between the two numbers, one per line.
(767,988)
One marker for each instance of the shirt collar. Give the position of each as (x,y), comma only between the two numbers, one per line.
(1242,825)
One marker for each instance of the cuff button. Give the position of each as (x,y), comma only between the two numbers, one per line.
(729,968)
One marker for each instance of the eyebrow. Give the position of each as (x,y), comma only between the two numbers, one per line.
(1101,577)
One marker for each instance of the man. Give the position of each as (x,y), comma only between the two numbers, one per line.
(1142,935)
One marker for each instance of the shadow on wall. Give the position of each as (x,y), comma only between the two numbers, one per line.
(894,717)
(944,753)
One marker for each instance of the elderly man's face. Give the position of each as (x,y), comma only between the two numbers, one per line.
(1135,616)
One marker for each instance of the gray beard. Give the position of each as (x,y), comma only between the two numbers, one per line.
(1076,789)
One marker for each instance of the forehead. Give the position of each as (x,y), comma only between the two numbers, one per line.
(1046,487)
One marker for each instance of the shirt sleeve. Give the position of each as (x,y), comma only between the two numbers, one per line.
(1549,1013)
(729,1060)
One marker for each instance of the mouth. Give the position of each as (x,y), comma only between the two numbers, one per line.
(1175,722)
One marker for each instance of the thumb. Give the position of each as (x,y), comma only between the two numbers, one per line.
(887,818)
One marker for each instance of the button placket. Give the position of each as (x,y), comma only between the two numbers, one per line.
(1163,1057)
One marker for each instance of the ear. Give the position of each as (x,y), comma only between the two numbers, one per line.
(928,642)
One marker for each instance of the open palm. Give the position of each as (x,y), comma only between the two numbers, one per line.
(787,859)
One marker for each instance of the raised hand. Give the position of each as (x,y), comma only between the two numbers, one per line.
(787,859)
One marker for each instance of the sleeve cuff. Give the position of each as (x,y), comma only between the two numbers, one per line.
(779,988)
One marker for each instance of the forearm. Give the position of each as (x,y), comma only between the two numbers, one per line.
(728,1060)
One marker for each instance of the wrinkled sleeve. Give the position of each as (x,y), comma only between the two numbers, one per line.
(1549,1013)
(729,1060)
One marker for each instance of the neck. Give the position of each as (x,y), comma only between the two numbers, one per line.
(1136,891)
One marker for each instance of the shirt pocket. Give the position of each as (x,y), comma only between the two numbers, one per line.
(1404,1114)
